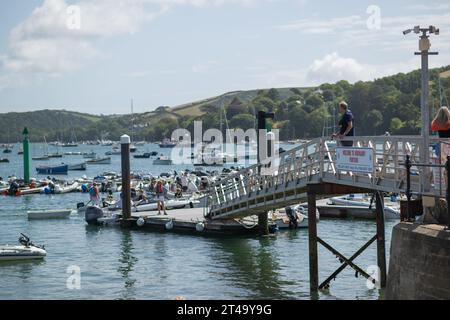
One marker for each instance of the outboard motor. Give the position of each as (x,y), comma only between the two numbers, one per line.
(80,205)
(92,214)
(24,240)
(293,218)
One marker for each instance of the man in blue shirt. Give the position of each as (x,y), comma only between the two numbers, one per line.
(346,125)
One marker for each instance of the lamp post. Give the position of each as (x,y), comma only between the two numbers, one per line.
(424,47)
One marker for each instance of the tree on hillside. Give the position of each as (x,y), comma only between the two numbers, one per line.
(313,101)
(372,120)
(262,104)
(296,91)
(236,107)
(242,121)
(395,126)
(273,94)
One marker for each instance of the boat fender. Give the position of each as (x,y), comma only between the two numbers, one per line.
(47,190)
(169,225)
(191,205)
(140,222)
(200,227)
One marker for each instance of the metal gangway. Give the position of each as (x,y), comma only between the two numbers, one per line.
(250,192)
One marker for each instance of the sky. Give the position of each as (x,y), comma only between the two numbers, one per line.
(96,55)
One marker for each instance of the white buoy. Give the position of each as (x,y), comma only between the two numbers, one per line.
(169,225)
(200,227)
(140,222)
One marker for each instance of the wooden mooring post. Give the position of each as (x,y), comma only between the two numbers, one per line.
(326,189)
(125,142)
(313,256)
(381,241)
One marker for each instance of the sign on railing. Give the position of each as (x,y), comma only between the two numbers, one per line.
(355,159)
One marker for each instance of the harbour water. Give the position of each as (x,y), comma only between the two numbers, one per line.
(123,264)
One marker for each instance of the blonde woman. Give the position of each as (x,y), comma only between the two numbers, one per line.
(441,123)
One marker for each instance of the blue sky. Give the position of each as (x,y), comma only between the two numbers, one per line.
(170,52)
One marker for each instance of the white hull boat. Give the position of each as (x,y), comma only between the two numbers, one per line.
(66,189)
(77,167)
(365,211)
(27,191)
(25,251)
(49,214)
(169,204)
(100,161)
(162,161)
(299,220)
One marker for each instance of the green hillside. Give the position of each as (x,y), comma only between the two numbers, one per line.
(387,104)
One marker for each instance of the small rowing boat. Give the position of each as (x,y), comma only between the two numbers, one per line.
(106,160)
(77,167)
(162,161)
(48,214)
(56,169)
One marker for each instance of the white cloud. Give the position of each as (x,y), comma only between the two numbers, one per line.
(352,30)
(43,44)
(333,68)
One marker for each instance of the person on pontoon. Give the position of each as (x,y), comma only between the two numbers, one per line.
(161,192)
(94,194)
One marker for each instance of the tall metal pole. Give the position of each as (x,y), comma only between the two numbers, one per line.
(424,47)
(425,111)
(26,156)
(126,179)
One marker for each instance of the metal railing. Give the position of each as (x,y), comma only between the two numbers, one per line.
(409,193)
(315,162)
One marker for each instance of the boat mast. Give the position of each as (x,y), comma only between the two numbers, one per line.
(132,120)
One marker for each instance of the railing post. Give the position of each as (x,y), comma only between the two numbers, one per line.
(447,193)
(408,187)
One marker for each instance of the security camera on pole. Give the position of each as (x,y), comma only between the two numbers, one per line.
(424,47)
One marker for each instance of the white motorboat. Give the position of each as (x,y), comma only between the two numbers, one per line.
(366,210)
(90,155)
(77,167)
(162,161)
(66,189)
(152,206)
(297,217)
(167,144)
(106,160)
(25,251)
(49,214)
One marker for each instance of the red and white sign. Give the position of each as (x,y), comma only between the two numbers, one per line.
(355,159)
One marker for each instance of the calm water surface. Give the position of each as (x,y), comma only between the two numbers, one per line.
(121,264)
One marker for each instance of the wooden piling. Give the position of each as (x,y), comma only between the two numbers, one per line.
(26,156)
(381,241)
(263,224)
(126,183)
(313,257)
